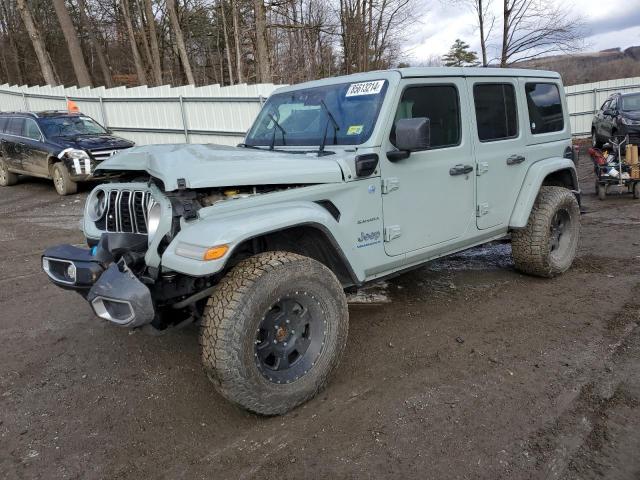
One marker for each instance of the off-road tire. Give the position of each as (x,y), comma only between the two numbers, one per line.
(7,178)
(532,245)
(234,313)
(62,180)
(636,190)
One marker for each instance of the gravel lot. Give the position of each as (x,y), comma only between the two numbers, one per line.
(462,369)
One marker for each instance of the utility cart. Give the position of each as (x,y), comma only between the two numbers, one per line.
(615,172)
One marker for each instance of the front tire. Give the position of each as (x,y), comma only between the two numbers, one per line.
(273,331)
(7,178)
(62,180)
(547,246)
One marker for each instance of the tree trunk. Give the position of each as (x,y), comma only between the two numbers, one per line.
(506,17)
(262,50)
(93,39)
(38,45)
(483,40)
(137,60)
(182,49)
(10,29)
(156,64)
(227,49)
(75,50)
(236,40)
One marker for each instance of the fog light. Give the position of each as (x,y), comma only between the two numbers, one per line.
(71,272)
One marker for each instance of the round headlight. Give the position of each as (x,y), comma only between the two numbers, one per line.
(97,205)
(153,219)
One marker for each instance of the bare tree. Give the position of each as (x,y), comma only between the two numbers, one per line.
(75,50)
(227,47)
(156,63)
(137,59)
(263,63)
(38,45)
(485,21)
(236,39)
(533,28)
(180,45)
(89,27)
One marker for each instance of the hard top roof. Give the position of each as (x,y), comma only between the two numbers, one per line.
(424,72)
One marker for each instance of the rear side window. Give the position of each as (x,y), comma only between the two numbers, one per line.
(545,108)
(496,112)
(3,123)
(14,126)
(31,129)
(438,103)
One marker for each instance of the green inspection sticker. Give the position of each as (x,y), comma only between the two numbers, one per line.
(355,130)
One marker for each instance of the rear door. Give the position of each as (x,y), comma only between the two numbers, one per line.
(12,142)
(428,198)
(34,154)
(499,143)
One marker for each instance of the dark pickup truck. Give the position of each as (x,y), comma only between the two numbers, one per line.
(59,145)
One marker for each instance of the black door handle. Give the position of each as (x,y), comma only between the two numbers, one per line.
(515,159)
(460,169)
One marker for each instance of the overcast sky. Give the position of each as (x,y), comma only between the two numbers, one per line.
(609,24)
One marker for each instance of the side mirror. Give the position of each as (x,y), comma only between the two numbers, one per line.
(412,134)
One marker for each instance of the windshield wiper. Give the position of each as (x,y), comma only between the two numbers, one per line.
(336,128)
(279,127)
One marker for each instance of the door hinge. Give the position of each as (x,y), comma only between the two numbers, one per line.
(390,184)
(392,232)
(483,167)
(482,209)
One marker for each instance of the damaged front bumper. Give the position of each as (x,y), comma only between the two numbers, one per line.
(111,288)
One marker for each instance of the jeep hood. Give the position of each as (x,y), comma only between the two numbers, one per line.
(207,166)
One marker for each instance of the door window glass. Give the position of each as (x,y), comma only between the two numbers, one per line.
(14,126)
(3,123)
(614,104)
(31,129)
(496,112)
(545,108)
(438,103)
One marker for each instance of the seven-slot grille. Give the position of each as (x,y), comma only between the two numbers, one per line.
(126,211)
(101,155)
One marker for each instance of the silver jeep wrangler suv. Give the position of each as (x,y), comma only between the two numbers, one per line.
(339,182)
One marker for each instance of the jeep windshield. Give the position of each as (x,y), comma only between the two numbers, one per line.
(303,117)
(70,126)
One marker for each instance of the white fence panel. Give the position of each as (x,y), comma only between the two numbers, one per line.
(215,114)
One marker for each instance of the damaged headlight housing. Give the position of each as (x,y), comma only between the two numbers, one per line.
(80,160)
(96,205)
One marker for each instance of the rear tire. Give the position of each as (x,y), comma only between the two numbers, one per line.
(636,190)
(62,180)
(7,178)
(547,246)
(273,331)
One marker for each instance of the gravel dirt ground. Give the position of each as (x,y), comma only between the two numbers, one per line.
(461,369)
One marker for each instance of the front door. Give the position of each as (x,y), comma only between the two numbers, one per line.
(428,198)
(499,148)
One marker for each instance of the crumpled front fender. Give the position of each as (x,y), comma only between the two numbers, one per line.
(233,228)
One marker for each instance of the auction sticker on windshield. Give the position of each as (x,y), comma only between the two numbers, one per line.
(365,88)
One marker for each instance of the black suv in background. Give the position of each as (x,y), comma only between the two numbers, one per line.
(62,146)
(619,116)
